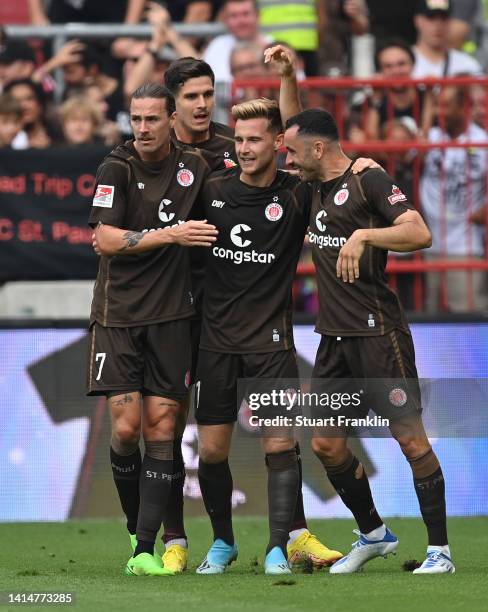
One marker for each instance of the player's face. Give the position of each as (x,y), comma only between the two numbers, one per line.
(195,104)
(256,145)
(150,124)
(300,156)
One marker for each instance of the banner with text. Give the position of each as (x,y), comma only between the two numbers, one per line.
(45,201)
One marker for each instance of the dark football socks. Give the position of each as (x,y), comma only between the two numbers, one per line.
(430,488)
(299,520)
(216,487)
(351,483)
(174,527)
(126,470)
(283,485)
(155,490)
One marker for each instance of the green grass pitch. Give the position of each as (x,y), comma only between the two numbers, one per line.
(88,557)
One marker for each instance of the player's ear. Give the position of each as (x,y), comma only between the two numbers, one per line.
(278,141)
(318,148)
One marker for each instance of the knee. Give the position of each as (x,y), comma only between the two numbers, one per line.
(327,450)
(412,446)
(277,445)
(212,451)
(162,426)
(126,432)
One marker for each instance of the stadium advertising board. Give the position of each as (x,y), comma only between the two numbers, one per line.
(55,440)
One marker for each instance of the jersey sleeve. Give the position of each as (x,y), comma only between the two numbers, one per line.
(110,197)
(383,196)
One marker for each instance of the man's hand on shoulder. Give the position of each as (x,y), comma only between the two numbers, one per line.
(363,163)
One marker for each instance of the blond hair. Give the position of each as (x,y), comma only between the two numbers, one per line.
(77,105)
(261,108)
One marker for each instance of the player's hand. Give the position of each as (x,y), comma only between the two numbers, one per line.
(282,57)
(347,266)
(194,234)
(364,162)
(95,244)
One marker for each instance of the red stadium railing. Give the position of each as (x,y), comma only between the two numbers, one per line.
(436,103)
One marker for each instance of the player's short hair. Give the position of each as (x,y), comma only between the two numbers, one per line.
(315,122)
(393,43)
(157,91)
(185,68)
(10,106)
(261,108)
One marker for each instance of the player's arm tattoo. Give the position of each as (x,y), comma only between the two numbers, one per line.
(132,239)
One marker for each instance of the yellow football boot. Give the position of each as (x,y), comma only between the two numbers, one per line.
(308,546)
(175,558)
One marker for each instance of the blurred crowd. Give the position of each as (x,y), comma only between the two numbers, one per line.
(78,94)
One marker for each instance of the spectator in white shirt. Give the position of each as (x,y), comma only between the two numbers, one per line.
(242,21)
(433,57)
(452,192)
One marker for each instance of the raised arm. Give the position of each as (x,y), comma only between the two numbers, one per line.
(69,53)
(37,13)
(134,11)
(289,96)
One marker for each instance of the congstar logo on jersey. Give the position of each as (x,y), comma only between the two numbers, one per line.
(322,240)
(240,236)
(163,216)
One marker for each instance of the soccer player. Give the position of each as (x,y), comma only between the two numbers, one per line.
(191,81)
(353,224)
(142,304)
(261,214)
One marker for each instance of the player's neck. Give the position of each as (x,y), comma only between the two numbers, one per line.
(263,179)
(190,137)
(334,165)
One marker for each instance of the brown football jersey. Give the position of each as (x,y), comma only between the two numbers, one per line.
(367,307)
(131,194)
(251,266)
(221,144)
